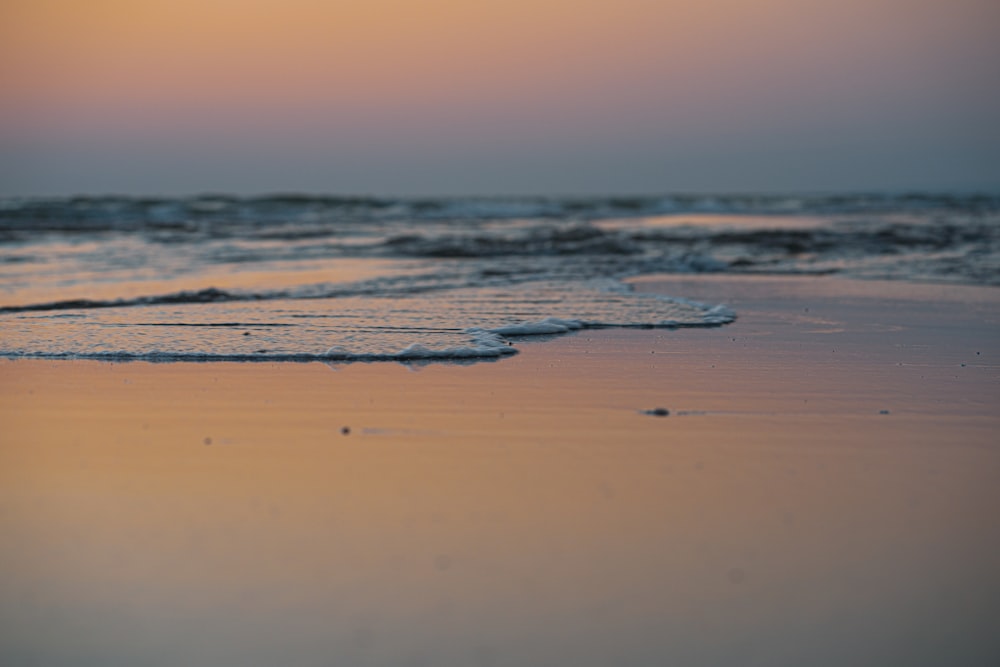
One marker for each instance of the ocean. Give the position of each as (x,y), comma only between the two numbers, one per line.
(423,280)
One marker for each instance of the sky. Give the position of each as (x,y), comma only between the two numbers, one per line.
(469,97)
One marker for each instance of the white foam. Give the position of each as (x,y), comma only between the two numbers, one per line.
(710,315)
(484,345)
(418,351)
(457,325)
(549,325)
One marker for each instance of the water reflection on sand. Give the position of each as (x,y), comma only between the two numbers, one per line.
(523,513)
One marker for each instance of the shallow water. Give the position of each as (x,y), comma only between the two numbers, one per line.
(303,278)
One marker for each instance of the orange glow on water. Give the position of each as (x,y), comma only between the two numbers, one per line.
(219,513)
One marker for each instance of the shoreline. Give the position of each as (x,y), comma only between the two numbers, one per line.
(821,492)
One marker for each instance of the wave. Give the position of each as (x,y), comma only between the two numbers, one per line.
(482,344)
(573,239)
(447,325)
(235,214)
(938,237)
(207,295)
(957,250)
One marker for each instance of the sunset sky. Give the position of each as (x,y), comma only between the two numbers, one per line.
(517,97)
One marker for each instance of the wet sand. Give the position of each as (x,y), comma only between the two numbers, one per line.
(823,491)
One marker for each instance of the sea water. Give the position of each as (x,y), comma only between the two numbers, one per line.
(305,278)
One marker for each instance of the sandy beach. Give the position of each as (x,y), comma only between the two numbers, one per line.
(823,491)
